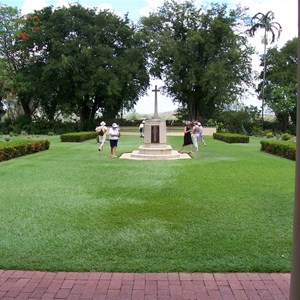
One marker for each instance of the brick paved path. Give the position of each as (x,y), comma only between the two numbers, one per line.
(71,285)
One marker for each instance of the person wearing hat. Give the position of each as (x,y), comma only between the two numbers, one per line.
(113,139)
(101,130)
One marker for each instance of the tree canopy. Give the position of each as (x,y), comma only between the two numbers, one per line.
(281,82)
(202,54)
(79,60)
(9,55)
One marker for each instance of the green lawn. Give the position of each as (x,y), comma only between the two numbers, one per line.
(74,208)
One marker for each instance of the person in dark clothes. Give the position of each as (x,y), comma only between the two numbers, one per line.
(187,138)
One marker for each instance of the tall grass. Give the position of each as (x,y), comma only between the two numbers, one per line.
(74,208)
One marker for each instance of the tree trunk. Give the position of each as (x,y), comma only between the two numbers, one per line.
(27,110)
(264,80)
(283,121)
(84,112)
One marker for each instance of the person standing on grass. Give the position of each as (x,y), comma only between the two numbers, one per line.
(102,131)
(187,138)
(113,139)
(195,135)
(201,134)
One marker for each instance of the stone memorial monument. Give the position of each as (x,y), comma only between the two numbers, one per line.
(155,140)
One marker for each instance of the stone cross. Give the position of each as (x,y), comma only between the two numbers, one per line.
(156,116)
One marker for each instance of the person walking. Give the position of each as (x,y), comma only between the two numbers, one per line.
(201,134)
(187,139)
(195,135)
(113,139)
(141,129)
(102,131)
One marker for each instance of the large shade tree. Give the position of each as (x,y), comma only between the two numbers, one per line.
(82,61)
(11,59)
(201,54)
(281,82)
(271,31)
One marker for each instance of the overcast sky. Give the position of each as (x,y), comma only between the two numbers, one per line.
(285,13)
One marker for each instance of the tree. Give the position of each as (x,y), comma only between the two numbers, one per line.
(199,53)
(281,83)
(270,28)
(9,25)
(16,89)
(87,61)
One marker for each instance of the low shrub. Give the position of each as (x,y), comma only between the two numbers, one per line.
(286,136)
(231,137)
(285,149)
(13,149)
(269,134)
(78,136)
(257,131)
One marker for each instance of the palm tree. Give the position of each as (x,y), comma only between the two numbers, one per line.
(265,22)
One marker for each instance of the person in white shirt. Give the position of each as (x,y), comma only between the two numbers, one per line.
(113,139)
(195,135)
(201,134)
(102,131)
(141,128)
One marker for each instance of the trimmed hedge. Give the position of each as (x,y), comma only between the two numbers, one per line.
(78,136)
(231,137)
(9,150)
(280,148)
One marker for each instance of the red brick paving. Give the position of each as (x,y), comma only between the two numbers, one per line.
(33,285)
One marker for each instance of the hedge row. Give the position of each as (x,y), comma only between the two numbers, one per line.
(231,137)
(9,150)
(280,148)
(78,136)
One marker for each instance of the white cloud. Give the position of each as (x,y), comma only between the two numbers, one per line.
(152,5)
(108,6)
(31,5)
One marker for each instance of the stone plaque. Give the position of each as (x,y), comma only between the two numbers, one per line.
(154,134)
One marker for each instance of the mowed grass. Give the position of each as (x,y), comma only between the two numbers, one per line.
(73,208)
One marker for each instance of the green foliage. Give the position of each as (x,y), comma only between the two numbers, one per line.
(238,121)
(281,87)
(39,126)
(9,29)
(231,137)
(269,134)
(23,132)
(78,136)
(198,52)
(19,148)
(280,148)
(85,60)
(286,136)
(257,131)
